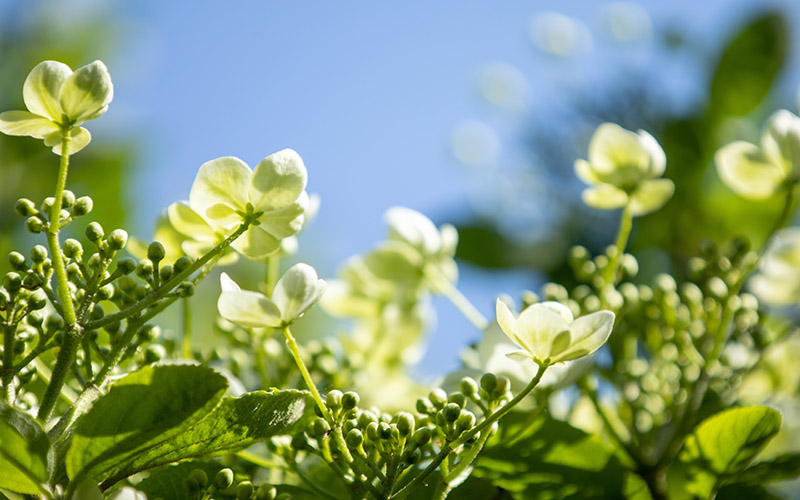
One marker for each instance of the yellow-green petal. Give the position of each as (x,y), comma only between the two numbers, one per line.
(86,93)
(651,195)
(588,334)
(223,181)
(286,220)
(42,89)
(277,180)
(604,197)
(297,290)
(189,223)
(538,327)
(26,124)
(745,170)
(79,139)
(583,169)
(618,156)
(256,243)
(246,308)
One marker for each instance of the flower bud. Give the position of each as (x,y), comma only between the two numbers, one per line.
(503,386)
(372,431)
(266,492)
(469,387)
(319,427)
(465,421)
(38,254)
(94,261)
(53,323)
(156,252)
(12,282)
(47,205)
(25,207)
(421,436)
(148,333)
(82,206)
(488,382)
(451,411)
(117,240)
(182,264)
(405,423)
(350,400)
(244,490)
(34,225)
(458,399)
(97,312)
(144,269)
(185,289)
(105,292)
(94,231)
(424,406)
(438,398)
(17,261)
(72,249)
(35,318)
(334,400)
(37,300)
(365,418)
(354,438)
(384,430)
(299,442)
(127,283)
(126,265)
(223,479)
(165,273)
(154,353)
(67,198)
(140,291)
(199,476)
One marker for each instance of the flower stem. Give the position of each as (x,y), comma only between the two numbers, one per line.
(186,324)
(464,305)
(625,223)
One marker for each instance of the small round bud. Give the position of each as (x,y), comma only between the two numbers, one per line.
(503,386)
(12,282)
(25,207)
(451,411)
(165,273)
(489,382)
(421,436)
(47,205)
(384,430)
(5,297)
(366,418)
(425,406)
(144,269)
(191,486)
(405,423)
(185,289)
(35,318)
(199,476)
(126,265)
(244,490)
(117,239)
(319,427)
(37,300)
(34,225)
(127,283)
(372,431)
(466,420)
(72,249)
(105,292)
(94,261)
(82,206)
(182,264)
(266,492)
(438,397)
(67,198)
(94,231)
(156,251)
(17,261)
(334,399)
(140,291)
(97,312)
(148,333)
(350,400)
(469,387)
(154,353)
(354,438)
(38,254)
(299,442)
(52,323)
(223,479)
(458,399)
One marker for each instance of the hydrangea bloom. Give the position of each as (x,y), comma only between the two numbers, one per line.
(59,101)
(547,333)
(297,290)
(778,280)
(226,191)
(757,172)
(624,168)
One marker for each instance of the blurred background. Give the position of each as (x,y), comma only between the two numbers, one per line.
(472,113)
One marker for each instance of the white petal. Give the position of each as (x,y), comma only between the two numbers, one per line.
(560,309)
(604,197)
(42,88)
(781,141)
(223,181)
(86,93)
(507,322)
(618,156)
(743,168)
(538,327)
(297,290)
(277,180)
(588,334)
(79,139)
(188,222)
(583,169)
(256,243)
(246,308)
(520,357)
(286,220)
(658,159)
(651,195)
(413,228)
(25,123)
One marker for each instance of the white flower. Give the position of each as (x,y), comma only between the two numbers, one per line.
(59,101)
(757,172)
(547,333)
(624,167)
(226,191)
(778,281)
(297,290)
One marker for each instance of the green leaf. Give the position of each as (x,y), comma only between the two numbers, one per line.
(748,66)
(746,492)
(781,468)
(168,482)
(555,460)
(142,410)
(23,452)
(720,447)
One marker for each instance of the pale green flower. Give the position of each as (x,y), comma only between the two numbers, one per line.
(547,333)
(297,290)
(624,168)
(289,245)
(59,101)
(778,280)
(757,172)
(226,191)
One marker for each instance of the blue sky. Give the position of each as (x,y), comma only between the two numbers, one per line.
(369,94)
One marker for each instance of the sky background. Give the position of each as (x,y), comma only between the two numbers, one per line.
(370,94)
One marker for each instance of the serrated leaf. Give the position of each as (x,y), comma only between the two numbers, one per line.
(237,423)
(23,452)
(141,411)
(721,446)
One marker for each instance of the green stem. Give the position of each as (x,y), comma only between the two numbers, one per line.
(624,446)
(464,305)
(625,224)
(466,436)
(8,359)
(273,269)
(186,340)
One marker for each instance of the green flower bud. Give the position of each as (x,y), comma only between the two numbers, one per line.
(319,427)
(438,398)
(34,225)
(94,232)
(156,251)
(349,424)
(47,205)
(72,249)
(17,261)
(372,431)
(25,207)
(199,476)
(82,206)
(5,297)
(126,265)
(117,240)
(354,438)
(421,436)
(35,318)
(127,283)
(67,198)
(365,418)
(488,382)
(334,400)
(97,312)
(165,273)
(466,420)
(405,423)
(37,300)
(266,492)
(717,287)
(350,400)
(94,261)
(154,353)
(140,291)
(458,399)
(424,406)
(191,486)
(451,412)
(149,333)
(182,264)
(223,479)
(144,269)
(53,323)
(244,490)
(299,442)
(384,430)
(12,282)
(469,387)
(38,254)
(185,289)
(503,386)
(105,292)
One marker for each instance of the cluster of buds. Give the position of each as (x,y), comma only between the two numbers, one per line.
(198,486)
